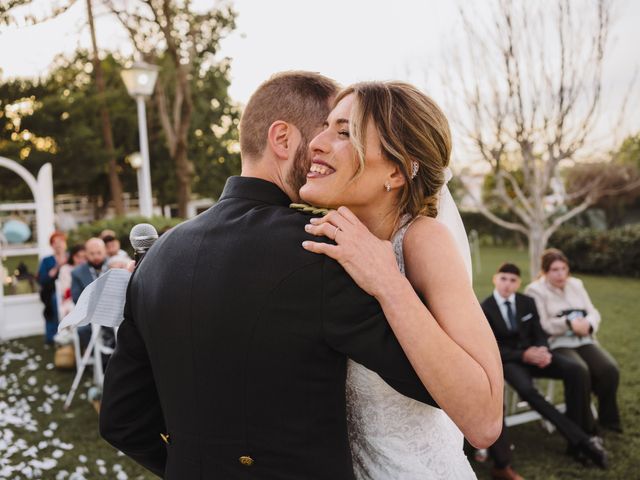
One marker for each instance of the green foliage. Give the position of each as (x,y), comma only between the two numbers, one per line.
(629,152)
(213,134)
(122,226)
(609,252)
(614,177)
(213,139)
(59,122)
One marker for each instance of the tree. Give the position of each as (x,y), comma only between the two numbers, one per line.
(192,121)
(531,84)
(11,12)
(57,119)
(184,42)
(616,180)
(107,134)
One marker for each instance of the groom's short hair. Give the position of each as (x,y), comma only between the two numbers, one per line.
(296,97)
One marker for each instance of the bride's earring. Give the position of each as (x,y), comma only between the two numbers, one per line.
(387,186)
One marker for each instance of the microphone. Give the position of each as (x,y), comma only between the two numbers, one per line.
(142,237)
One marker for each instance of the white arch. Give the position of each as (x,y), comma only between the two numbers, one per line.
(42,190)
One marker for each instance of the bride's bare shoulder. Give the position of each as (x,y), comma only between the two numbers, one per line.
(425,231)
(431,257)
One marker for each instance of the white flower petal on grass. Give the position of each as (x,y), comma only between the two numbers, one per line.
(6,471)
(82,458)
(44,464)
(30,452)
(62,475)
(57,453)
(122,475)
(102,469)
(42,445)
(27,471)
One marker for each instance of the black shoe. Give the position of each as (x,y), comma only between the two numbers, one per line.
(574,452)
(612,427)
(592,448)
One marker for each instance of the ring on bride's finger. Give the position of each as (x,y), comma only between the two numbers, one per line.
(335,233)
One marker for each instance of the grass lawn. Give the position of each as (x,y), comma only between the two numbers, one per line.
(38,438)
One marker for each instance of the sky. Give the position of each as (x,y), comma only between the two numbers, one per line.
(348,40)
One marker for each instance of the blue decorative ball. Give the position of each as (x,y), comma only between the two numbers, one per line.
(16,231)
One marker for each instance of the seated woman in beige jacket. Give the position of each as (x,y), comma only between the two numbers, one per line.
(571,320)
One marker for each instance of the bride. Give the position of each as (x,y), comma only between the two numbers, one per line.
(381,161)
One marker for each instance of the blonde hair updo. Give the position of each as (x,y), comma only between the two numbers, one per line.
(412,128)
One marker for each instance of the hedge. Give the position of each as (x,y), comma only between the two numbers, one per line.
(122,226)
(608,252)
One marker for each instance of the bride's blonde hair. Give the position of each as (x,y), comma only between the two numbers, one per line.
(412,128)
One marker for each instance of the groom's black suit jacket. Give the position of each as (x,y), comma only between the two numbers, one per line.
(235,343)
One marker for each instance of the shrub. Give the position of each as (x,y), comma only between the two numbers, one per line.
(610,252)
(122,226)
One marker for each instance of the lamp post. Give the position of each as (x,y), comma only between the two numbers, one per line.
(135,160)
(140,80)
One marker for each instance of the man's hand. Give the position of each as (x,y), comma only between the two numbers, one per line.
(538,356)
(580,326)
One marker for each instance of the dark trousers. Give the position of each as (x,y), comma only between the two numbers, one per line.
(604,376)
(574,425)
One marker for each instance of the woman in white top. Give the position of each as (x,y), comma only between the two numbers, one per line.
(77,256)
(569,317)
(384,154)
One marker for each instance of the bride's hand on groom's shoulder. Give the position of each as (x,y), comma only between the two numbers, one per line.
(367,259)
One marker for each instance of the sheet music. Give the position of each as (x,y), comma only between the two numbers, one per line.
(101,302)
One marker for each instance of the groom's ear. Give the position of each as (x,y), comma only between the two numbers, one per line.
(279,139)
(396,178)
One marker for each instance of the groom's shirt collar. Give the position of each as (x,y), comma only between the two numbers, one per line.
(257,189)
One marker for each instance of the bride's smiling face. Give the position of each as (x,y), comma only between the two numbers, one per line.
(333,179)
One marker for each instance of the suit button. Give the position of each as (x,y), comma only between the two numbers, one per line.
(246,460)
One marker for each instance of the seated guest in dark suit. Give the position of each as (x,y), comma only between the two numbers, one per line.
(86,273)
(525,355)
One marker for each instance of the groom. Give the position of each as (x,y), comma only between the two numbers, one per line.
(231,360)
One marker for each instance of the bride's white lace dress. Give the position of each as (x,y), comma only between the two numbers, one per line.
(395,437)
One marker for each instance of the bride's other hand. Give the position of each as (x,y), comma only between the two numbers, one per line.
(367,259)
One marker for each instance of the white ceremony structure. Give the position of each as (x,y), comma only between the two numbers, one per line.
(21,315)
